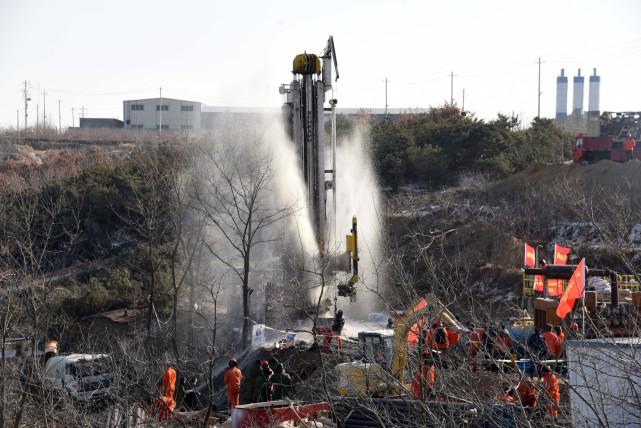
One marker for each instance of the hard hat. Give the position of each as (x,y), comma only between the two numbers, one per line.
(264,363)
(574,326)
(233,362)
(629,135)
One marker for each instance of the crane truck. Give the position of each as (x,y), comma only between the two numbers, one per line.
(605,136)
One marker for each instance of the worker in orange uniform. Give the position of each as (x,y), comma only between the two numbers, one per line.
(552,340)
(475,342)
(452,336)
(164,408)
(233,376)
(628,147)
(169,381)
(551,387)
(527,393)
(424,376)
(507,396)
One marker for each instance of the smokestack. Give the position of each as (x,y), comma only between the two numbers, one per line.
(561,97)
(595,87)
(577,105)
(594,115)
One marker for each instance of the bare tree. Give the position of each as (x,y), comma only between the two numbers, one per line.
(236,199)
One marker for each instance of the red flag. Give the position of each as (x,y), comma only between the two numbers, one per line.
(529,256)
(560,254)
(574,291)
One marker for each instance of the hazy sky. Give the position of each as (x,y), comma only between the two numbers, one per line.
(97,54)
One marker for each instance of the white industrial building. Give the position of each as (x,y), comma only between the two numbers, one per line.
(165,113)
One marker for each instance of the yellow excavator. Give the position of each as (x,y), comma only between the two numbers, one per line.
(381,369)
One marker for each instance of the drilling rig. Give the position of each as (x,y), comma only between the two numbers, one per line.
(304,119)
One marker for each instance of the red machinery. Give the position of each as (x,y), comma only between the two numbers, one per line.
(605,136)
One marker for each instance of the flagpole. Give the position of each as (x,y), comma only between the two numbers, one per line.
(583,299)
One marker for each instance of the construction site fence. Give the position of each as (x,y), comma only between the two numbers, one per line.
(628,282)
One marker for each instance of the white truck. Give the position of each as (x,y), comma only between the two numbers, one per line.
(83,377)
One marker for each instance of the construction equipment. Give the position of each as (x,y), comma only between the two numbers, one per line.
(605,136)
(616,315)
(349,289)
(381,369)
(303,114)
(304,119)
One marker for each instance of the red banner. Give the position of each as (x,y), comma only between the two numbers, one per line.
(574,291)
(560,254)
(529,256)
(555,286)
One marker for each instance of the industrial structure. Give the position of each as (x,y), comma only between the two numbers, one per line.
(304,111)
(161,113)
(577,94)
(577,112)
(561,97)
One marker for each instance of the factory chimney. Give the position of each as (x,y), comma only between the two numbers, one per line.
(561,97)
(594,129)
(577,105)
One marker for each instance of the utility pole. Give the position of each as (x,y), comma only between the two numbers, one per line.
(386,97)
(44,109)
(26,104)
(160,114)
(37,117)
(452,88)
(59,118)
(463,108)
(73,124)
(539,94)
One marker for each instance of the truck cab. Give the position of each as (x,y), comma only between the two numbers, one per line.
(83,376)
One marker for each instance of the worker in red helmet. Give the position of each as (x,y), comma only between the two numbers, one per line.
(628,147)
(233,376)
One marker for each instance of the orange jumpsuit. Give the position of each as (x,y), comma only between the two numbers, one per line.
(169,382)
(233,376)
(553,342)
(527,393)
(428,381)
(163,407)
(551,386)
(452,337)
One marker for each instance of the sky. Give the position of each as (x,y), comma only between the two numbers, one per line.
(94,55)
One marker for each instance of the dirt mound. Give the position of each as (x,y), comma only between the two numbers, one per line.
(604,175)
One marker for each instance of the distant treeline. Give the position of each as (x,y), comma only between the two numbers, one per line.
(434,147)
